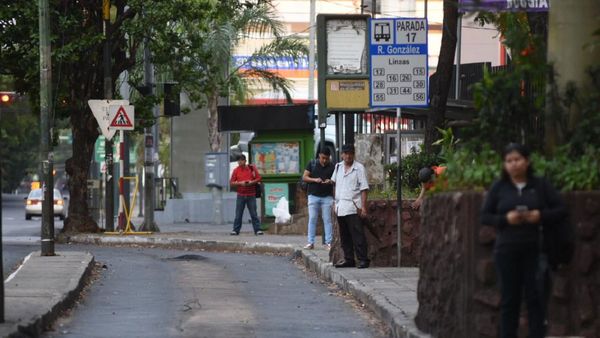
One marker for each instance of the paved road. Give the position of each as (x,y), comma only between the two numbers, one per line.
(19,236)
(167,293)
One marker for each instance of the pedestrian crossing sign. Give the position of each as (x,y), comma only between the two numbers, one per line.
(122,117)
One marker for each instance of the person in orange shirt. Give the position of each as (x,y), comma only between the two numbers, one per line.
(427,177)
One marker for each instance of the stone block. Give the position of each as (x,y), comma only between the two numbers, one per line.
(559,287)
(585,308)
(487,235)
(486,272)
(555,329)
(485,324)
(490,298)
(585,259)
(586,229)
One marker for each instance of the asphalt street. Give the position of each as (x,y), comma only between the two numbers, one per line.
(144,292)
(19,236)
(169,293)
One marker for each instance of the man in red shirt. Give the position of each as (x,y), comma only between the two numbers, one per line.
(245,178)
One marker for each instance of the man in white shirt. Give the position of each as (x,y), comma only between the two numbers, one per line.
(351,188)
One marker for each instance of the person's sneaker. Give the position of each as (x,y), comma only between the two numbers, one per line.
(234,233)
(328,247)
(309,246)
(259,233)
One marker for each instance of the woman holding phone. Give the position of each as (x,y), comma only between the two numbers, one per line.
(518,205)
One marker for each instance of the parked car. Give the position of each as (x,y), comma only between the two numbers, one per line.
(33,204)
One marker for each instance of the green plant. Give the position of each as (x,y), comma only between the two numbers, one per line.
(468,169)
(510,101)
(390,193)
(570,172)
(410,166)
(447,142)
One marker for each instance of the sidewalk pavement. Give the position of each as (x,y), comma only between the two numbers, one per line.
(391,293)
(40,289)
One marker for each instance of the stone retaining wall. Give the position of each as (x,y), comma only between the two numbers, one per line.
(381,232)
(457,292)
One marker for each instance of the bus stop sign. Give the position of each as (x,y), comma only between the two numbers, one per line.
(399,71)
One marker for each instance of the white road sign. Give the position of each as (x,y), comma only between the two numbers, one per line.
(399,71)
(100,109)
(122,117)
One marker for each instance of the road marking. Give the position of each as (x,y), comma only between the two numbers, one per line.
(12,275)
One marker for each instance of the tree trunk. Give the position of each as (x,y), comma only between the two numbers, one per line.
(85,133)
(214,137)
(443,75)
(571,26)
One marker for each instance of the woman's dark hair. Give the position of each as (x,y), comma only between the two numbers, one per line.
(523,151)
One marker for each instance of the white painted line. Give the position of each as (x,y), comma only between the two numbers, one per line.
(12,275)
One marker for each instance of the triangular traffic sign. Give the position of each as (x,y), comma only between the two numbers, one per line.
(100,109)
(121,119)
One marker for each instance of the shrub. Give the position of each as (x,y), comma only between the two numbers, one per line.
(411,164)
(567,170)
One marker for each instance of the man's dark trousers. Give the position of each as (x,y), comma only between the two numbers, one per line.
(352,235)
(240,203)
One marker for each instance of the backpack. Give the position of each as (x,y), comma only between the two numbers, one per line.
(304,185)
(558,236)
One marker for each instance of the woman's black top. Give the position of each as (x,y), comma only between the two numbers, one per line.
(504,196)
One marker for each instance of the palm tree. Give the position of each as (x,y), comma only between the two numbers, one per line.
(203,58)
(197,51)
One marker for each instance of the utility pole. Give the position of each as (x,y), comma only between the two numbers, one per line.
(109,203)
(46,155)
(149,142)
(1,255)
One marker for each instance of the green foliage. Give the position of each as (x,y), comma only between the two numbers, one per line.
(411,164)
(390,193)
(19,136)
(510,102)
(447,142)
(468,169)
(568,172)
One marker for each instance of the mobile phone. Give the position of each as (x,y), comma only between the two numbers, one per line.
(521,208)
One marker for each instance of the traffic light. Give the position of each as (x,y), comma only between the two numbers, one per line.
(7,98)
(171,105)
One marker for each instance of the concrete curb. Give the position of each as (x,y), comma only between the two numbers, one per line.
(208,245)
(401,324)
(41,289)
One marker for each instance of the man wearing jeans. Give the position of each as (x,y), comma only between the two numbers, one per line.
(351,189)
(245,178)
(320,196)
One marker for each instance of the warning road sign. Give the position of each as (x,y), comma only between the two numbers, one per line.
(122,117)
(100,109)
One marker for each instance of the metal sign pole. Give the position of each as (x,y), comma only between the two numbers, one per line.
(399,185)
